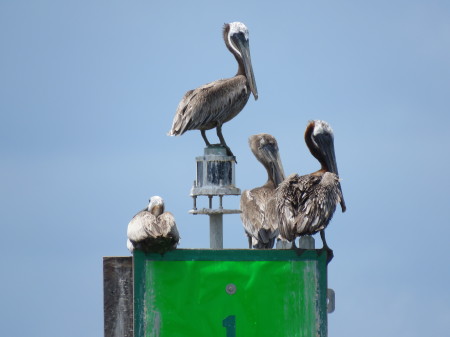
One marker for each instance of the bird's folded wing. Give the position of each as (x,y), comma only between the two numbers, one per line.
(137,227)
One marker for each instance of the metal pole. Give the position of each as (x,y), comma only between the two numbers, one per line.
(216,231)
(306,242)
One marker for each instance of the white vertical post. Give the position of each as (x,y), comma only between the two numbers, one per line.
(306,242)
(216,231)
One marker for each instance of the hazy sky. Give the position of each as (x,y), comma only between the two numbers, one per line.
(88,90)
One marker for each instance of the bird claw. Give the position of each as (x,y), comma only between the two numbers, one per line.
(330,253)
(229,153)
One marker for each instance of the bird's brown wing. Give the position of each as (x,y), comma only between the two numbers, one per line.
(306,204)
(211,104)
(138,226)
(319,205)
(167,226)
(258,214)
(291,195)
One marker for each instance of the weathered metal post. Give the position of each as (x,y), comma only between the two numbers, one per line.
(306,242)
(216,231)
(215,177)
(118,296)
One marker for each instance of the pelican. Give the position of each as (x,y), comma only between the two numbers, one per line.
(152,229)
(215,103)
(306,204)
(258,205)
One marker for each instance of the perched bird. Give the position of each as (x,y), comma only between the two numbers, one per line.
(152,229)
(215,103)
(305,204)
(258,205)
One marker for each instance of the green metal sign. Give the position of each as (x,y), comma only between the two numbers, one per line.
(231,293)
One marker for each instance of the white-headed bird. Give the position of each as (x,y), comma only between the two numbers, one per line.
(306,204)
(152,229)
(215,103)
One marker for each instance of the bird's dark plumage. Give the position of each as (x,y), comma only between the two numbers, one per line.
(210,105)
(306,204)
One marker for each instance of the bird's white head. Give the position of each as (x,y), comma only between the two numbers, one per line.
(322,127)
(235,35)
(238,27)
(156,205)
(320,135)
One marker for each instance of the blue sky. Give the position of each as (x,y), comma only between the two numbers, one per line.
(88,90)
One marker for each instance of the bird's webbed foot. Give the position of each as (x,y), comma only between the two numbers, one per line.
(223,143)
(330,253)
(229,153)
(228,150)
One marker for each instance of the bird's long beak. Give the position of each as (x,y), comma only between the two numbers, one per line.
(244,49)
(330,158)
(333,168)
(343,206)
(272,157)
(326,145)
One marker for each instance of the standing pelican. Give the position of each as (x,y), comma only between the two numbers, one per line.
(215,103)
(152,229)
(258,205)
(305,204)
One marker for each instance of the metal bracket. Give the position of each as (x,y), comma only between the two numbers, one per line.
(331,300)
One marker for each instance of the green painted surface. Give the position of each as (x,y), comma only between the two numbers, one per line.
(184,293)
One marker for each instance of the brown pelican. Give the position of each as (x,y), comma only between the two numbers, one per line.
(258,205)
(152,229)
(305,204)
(215,103)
